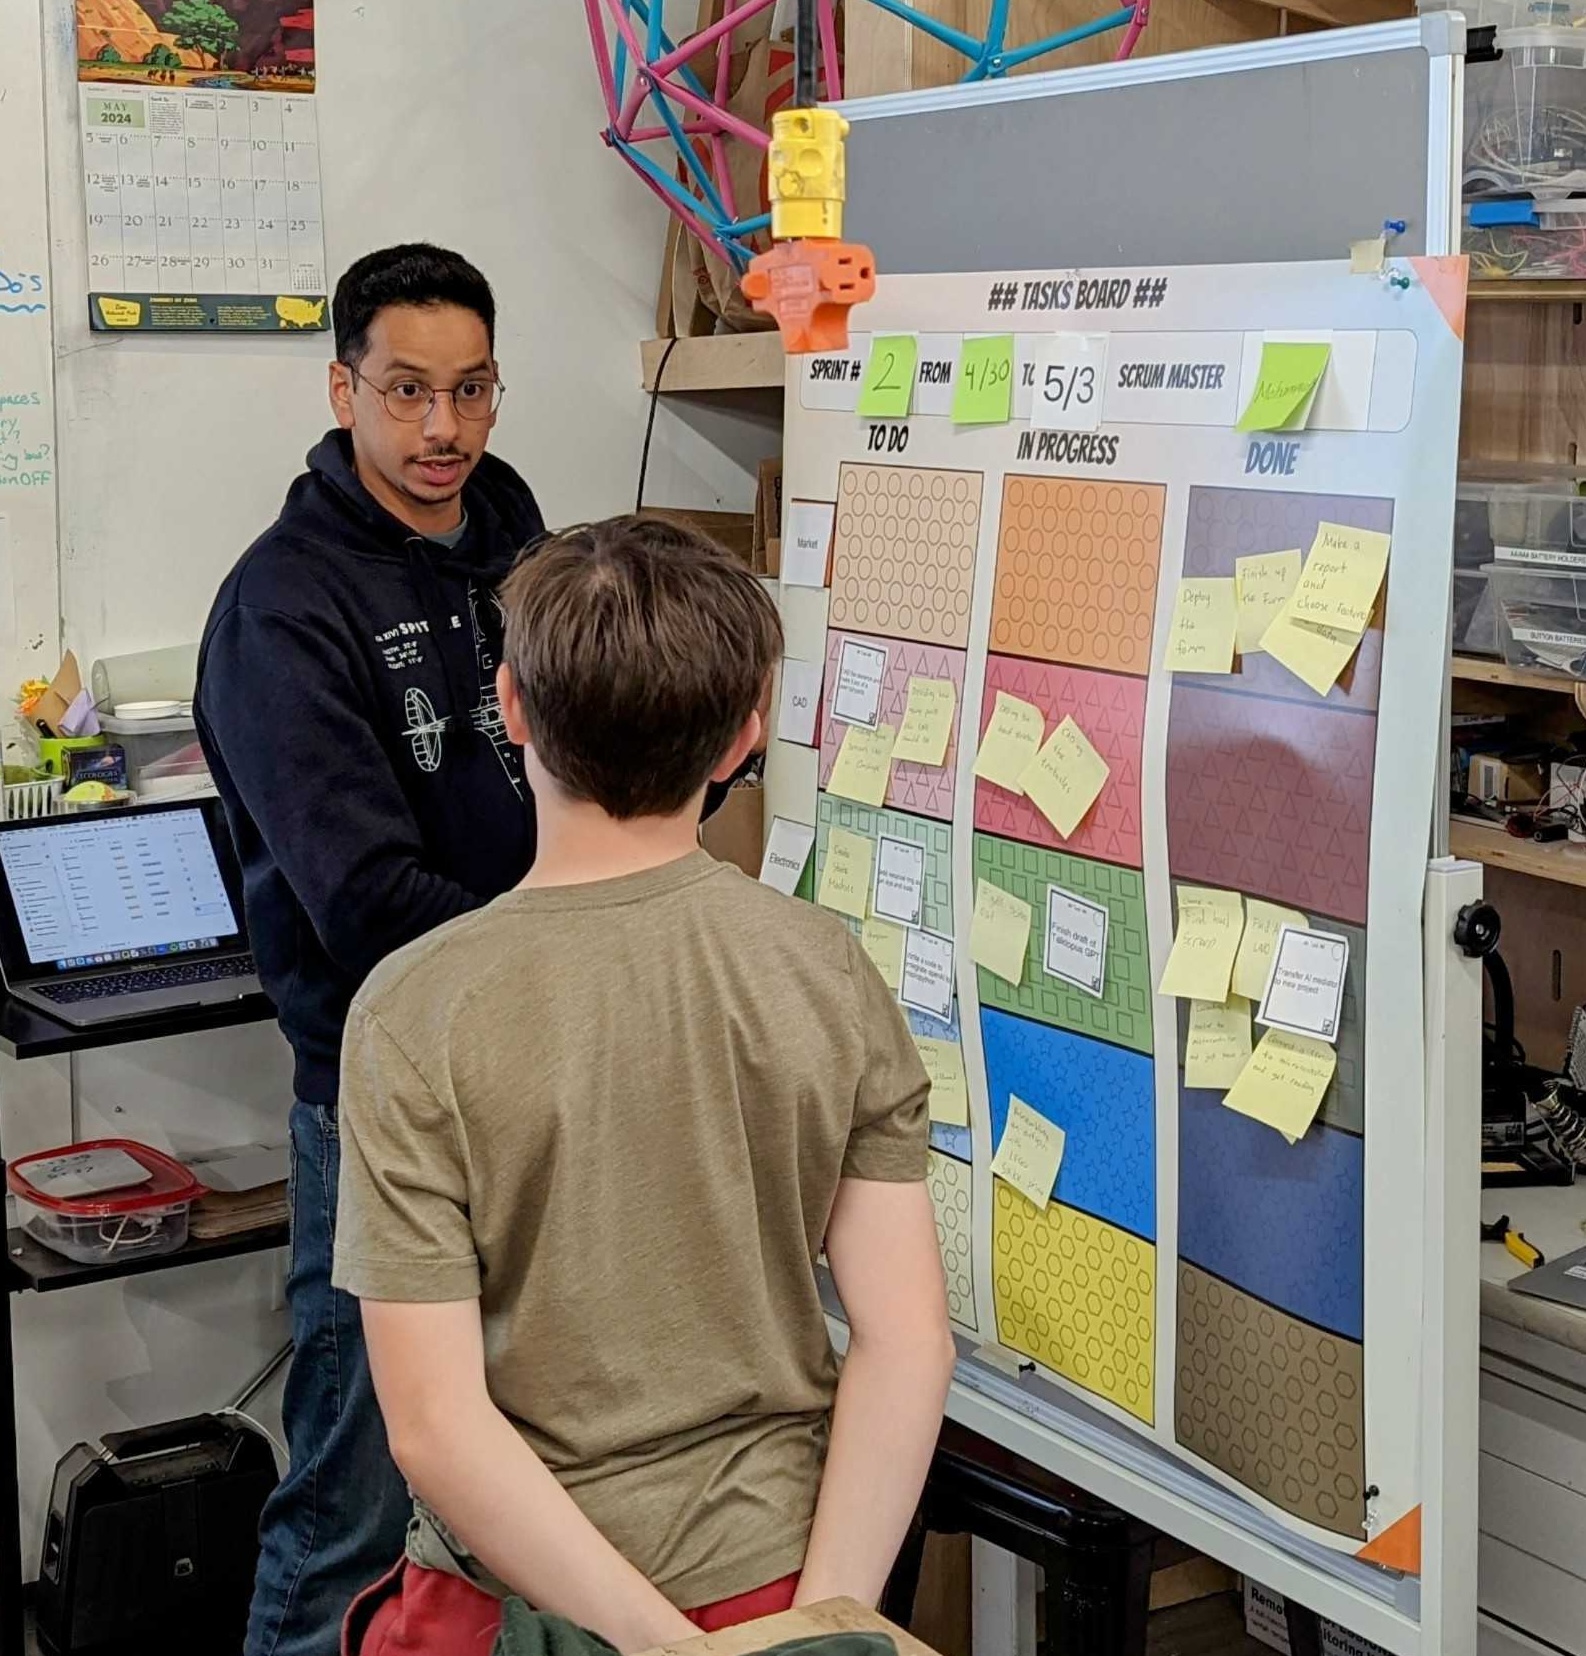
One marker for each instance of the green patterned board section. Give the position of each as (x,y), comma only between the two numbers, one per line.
(1123,1014)
(936,837)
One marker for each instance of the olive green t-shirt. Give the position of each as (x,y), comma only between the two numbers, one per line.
(617,1114)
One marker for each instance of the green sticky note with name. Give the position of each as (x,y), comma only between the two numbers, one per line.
(983,387)
(887,390)
(1285,386)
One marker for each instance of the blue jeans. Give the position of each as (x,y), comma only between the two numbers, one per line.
(338,1519)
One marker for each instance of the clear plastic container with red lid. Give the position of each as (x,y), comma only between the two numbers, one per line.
(103,1201)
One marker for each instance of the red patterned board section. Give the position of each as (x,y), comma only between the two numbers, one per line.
(1077,564)
(926,790)
(1110,709)
(1272,798)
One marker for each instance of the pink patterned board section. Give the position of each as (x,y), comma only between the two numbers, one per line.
(1110,709)
(925,790)
(1272,798)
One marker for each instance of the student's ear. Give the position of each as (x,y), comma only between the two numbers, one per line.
(743,744)
(512,715)
(341,395)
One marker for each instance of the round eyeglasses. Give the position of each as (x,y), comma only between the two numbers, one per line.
(411,400)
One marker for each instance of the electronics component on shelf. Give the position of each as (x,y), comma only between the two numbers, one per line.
(1513,778)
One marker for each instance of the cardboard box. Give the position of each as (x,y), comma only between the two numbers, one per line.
(1506,778)
(768,518)
(732,530)
(1266,1622)
(736,833)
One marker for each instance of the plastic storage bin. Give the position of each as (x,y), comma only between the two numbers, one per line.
(1513,521)
(64,1203)
(1541,616)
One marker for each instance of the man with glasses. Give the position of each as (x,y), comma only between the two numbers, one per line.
(347,705)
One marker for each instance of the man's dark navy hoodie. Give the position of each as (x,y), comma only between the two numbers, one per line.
(347,705)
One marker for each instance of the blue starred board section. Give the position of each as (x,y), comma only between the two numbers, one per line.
(1100,1095)
(1282,1222)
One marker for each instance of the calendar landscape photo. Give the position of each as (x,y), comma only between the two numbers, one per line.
(239,45)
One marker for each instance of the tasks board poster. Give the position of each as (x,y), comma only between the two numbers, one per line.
(1236,1282)
(201,166)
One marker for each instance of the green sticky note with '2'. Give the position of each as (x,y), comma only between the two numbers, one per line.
(887,390)
(983,389)
(1285,386)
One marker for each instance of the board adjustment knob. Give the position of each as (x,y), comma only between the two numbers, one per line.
(1476,929)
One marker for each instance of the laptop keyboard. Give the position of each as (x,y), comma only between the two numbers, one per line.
(155,977)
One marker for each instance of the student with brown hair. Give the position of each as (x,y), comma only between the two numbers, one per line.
(595,1136)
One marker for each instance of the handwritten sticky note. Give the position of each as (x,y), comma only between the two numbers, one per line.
(1205,626)
(928,974)
(1286,385)
(927,722)
(1201,964)
(1315,655)
(1219,1042)
(983,385)
(1342,577)
(864,764)
(883,942)
(1305,992)
(900,881)
(1030,1154)
(1065,778)
(787,849)
(887,389)
(1263,922)
(1262,585)
(1284,1083)
(999,935)
(944,1063)
(1012,740)
(845,875)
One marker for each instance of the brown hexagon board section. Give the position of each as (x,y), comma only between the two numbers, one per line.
(1077,563)
(1078,1295)
(1272,1401)
(904,559)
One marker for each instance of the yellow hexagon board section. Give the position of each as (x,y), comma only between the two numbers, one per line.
(1078,1296)
(951,1196)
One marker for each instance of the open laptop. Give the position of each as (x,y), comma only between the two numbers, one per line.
(124,913)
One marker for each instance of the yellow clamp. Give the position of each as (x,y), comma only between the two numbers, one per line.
(806,176)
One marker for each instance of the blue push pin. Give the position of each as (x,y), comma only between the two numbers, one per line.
(1394,227)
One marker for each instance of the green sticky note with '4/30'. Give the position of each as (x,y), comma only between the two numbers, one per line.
(887,390)
(983,389)
(1285,386)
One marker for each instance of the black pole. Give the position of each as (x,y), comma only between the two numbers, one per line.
(806,55)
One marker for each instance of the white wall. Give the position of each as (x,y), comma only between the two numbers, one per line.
(473,125)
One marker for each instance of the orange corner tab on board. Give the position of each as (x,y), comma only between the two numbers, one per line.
(809,287)
(1447,279)
(1399,1545)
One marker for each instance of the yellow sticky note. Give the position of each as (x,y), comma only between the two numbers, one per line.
(1263,922)
(1012,740)
(999,936)
(1219,1042)
(1201,964)
(1205,626)
(864,764)
(1284,1082)
(983,386)
(944,1063)
(927,722)
(1366,257)
(1262,585)
(1315,655)
(1030,1154)
(1342,577)
(1286,385)
(883,942)
(845,876)
(887,389)
(1065,778)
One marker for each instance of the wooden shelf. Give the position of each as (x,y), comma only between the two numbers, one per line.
(726,362)
(1528,293)
(1481,670)
(1559,860)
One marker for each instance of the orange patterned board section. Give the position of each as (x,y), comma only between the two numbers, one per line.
(1077,563)
(903,564)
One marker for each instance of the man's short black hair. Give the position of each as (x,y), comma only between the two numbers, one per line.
(415,273)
